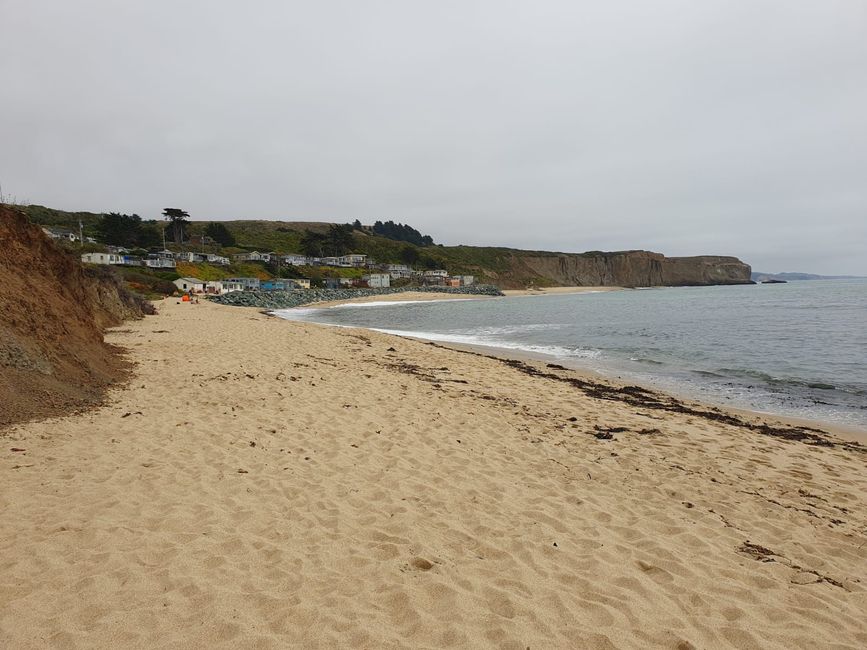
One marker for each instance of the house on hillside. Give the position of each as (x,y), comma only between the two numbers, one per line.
(59,233)
(377,280)
(102,258)
(255,256)
(217,259)
(160,260)
(328,261)
(190,284)
(437,277)
(189,256)
(296,260)
(351,260)
(398,271)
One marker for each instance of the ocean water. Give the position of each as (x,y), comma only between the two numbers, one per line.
(797,349)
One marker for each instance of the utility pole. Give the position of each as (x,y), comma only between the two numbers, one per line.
(80,234)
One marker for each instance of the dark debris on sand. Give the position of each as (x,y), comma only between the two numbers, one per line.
(639,397)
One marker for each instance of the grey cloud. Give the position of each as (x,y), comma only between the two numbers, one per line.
(713,127)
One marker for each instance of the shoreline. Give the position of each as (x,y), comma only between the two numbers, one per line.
(555,291)
(274,484)
(420,296)
(851,433)
(405,296)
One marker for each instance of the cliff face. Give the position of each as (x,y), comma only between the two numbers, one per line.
(52,315)
(704,269)
(637,269)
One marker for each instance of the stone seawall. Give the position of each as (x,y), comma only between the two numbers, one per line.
(300,297)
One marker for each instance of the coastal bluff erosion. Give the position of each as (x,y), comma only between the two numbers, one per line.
(637,268)
(53,312)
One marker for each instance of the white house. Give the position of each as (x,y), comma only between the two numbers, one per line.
(255,256)
(438,273)
(102,258)
(190,284)
(223,286)
(296,260)
(466,280)
(218,259)
(189,256)
(329,261)
(161,260)
(351,260)
(377,280)
(398,271)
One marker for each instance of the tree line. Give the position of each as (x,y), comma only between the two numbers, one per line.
(337,241)
(131,231)
(401,232)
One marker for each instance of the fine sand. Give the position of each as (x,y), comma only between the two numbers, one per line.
(270,484)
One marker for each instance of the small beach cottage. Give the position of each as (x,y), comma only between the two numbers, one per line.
(190,284)
(248,284)
(378,280)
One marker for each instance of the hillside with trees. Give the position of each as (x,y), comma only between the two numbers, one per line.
(391,243)
(401,232)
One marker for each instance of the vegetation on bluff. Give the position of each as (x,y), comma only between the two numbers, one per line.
(397,243)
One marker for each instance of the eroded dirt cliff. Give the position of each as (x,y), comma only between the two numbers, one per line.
(53,311)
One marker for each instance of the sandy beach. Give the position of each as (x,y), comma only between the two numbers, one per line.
(261,483)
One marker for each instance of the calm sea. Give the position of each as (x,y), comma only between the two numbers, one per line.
(796,349)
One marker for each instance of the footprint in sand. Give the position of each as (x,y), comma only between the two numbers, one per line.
(421,564)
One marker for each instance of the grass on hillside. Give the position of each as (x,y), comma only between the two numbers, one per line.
(502,266)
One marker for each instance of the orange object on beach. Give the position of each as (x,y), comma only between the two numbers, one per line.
(186,298)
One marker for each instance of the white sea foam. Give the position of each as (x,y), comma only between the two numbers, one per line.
(296,313)
(490,342)
(389,303)
(514,329)
(301,313)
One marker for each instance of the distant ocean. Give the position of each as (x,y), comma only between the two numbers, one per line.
(797,349)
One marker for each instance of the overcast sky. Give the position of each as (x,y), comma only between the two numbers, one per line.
(691,127)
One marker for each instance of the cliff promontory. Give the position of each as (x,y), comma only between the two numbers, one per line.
(635,269)
(52,315)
